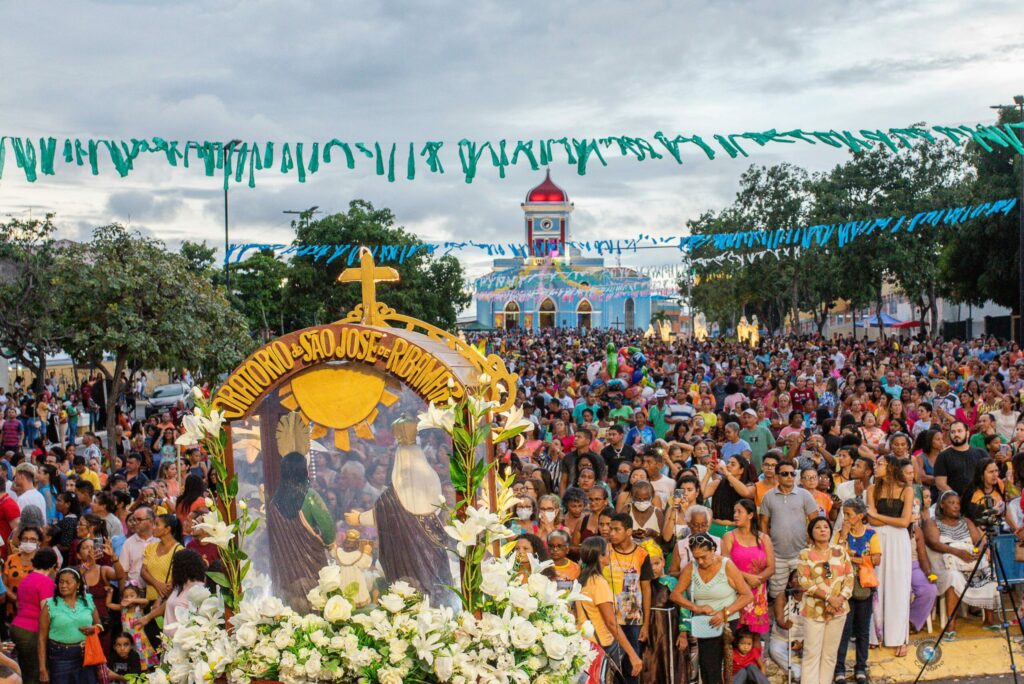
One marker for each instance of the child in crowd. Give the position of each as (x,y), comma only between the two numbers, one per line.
(747,665)
(134,619)
(124,660)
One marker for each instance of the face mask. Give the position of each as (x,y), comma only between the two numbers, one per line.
(524,513)
(641,505)
(623,478)
(28,547)
(547,516)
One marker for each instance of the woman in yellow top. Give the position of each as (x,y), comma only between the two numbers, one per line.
(156,561)
(595,555)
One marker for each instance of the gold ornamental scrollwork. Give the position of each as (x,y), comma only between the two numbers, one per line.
(502,382)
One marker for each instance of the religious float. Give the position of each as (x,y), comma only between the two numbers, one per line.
(360,519)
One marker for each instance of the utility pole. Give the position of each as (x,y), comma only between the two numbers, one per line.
(228,146)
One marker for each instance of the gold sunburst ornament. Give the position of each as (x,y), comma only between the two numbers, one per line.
(315,396)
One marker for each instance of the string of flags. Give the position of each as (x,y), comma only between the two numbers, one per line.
(805,237)
(391,159)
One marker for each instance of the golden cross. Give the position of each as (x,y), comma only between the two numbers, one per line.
(369,275)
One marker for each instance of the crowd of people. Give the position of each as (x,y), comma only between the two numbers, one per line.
(97,537)
(797,502)
(787,501)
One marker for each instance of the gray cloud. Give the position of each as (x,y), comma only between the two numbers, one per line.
(136,204)
(307,69)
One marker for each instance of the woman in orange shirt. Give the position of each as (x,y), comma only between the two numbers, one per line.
(595,555)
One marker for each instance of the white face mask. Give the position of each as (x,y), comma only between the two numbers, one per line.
(641,505)
(28,547)
(547,516)
(524,513)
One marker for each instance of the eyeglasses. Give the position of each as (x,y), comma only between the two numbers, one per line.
(786,473)
(827,570)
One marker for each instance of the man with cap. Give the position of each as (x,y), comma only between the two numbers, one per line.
(756,435)
(657,414)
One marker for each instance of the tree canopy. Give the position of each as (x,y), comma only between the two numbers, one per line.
(146,308)
(277,296)
(971,262)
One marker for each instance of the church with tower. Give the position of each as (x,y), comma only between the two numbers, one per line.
(554,285)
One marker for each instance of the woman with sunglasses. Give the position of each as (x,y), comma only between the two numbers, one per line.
(718,591)
(825,574)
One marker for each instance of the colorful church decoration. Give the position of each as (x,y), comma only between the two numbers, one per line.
(555,286)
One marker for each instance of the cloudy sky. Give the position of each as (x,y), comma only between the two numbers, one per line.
(415,71)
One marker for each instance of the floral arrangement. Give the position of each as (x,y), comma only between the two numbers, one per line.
(512,629)
(524,633)
(227,524)
(477,530)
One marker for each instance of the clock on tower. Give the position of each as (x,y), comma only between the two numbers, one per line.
(547,208)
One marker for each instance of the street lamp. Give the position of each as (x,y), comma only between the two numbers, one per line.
(228,146)
(1018,102)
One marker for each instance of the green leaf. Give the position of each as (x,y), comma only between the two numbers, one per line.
(219,578)
(233,487)
(458,475)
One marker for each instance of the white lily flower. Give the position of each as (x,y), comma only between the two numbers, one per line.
(514,423)
(437,418)
(193,429)
(218,532)
(465,533)
(213,423)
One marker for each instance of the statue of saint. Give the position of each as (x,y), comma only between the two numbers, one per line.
(301,533)
(412,544)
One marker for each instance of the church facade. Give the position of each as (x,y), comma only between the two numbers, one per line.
(555,286)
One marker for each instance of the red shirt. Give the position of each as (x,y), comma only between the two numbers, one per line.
(9,512)
(208,551)
(12,433)
(740,661)
(799,396)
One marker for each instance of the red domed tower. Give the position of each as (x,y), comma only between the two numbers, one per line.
(547,208)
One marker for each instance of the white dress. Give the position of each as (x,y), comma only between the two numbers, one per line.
(893,579)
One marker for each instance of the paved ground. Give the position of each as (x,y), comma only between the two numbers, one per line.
(995,679)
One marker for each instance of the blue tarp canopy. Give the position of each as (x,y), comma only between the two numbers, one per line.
(872,322)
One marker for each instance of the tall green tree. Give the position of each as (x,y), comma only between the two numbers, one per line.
(431,288)
(258,291)
(199,257)
(31,293)
(146,308)
(981,259)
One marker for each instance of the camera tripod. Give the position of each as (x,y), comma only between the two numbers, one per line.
(929,652)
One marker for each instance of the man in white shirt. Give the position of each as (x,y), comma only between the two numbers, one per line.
(141,521)
(663,486)
(25,488)
(857,486)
